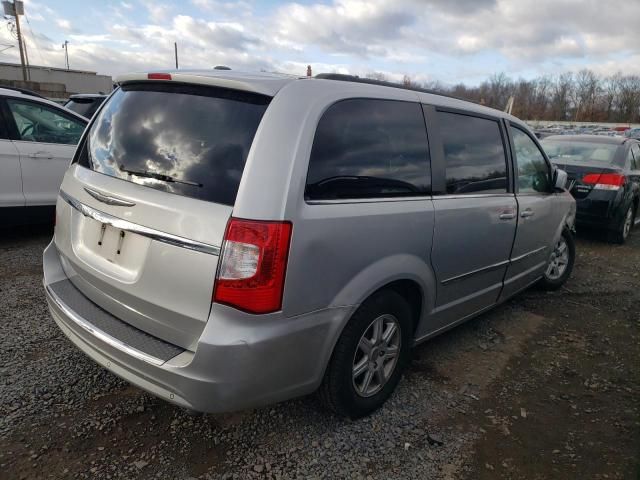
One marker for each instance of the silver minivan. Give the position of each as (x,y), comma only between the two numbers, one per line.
(227,240)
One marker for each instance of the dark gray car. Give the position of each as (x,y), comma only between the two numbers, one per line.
(604,178)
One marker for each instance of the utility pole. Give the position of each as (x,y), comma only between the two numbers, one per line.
(66,53)
(15,9)
(26,59)
(175,49)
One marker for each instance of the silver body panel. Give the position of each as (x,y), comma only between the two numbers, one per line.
(465,255)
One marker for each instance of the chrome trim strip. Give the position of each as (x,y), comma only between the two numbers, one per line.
(139,229)
(528,254)
(109,200)
(494,266)
(473,272)
(105,337)
(474,195)
(367,200)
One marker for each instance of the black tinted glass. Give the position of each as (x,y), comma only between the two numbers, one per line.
(367,148)
(85,107)
(81,108)
(474,154)
(186,140)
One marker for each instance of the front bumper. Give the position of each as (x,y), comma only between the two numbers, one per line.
(241,360)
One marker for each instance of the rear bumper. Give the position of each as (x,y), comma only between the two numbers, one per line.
(598,210)
(241,360)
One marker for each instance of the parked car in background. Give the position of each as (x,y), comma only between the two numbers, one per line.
(241,239)
(632,133)
(604,175)
(85,104)
(37,141)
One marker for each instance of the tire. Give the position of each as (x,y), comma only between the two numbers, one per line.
(621,233)
(347,396)
(554,279)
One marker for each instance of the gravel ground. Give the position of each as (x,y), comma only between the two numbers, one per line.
(545,386)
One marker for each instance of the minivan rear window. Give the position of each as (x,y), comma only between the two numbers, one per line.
(188,140)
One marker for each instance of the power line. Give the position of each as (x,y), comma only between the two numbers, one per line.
(33,35)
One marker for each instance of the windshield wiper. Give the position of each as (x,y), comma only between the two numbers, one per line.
(157,176)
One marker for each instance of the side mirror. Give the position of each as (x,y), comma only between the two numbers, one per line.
(559,179)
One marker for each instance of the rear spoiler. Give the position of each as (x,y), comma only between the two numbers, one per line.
(263,86)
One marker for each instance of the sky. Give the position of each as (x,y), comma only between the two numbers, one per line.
(429,40)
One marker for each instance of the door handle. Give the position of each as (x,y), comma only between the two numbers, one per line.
(527,213)
(507,216)
(41,154)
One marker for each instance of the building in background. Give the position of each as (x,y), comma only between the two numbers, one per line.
(55,83)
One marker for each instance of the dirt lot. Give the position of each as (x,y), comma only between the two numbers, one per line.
(545,386)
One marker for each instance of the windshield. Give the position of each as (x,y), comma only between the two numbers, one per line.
(183,139)
(562,151)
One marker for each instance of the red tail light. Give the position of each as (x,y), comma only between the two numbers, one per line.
(604,181)
(159,76)
(253,265)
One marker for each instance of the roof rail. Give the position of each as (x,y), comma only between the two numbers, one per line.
(354,78)
(25,91)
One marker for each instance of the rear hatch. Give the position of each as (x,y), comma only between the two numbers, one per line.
(143,209)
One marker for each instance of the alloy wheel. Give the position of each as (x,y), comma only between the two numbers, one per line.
(376,355)
(628,222)
(558,261)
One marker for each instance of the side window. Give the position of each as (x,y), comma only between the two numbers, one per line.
(367,148)
(41,123)
(533,170)
(474,154)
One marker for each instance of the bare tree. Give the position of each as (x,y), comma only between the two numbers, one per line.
(381,77)
(586,92)
(584,96)
(562,92)
(611,87)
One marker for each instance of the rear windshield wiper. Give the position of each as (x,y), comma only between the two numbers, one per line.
(158,176)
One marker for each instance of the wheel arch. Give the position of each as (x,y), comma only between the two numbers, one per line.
(407,274)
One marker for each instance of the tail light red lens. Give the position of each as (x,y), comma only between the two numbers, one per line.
(253,265)
(604,181)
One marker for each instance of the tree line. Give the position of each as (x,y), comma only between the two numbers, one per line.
(580,97)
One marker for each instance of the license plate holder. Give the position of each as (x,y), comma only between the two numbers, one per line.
(110,241)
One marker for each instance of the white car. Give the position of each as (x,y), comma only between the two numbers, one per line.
(37,141)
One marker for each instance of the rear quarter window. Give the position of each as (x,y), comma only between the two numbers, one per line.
(187,140)
(369,148)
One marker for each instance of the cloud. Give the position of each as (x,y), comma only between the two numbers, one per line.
(158,12)
(443,40)
(63,24)
(345,27)
(90,38)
